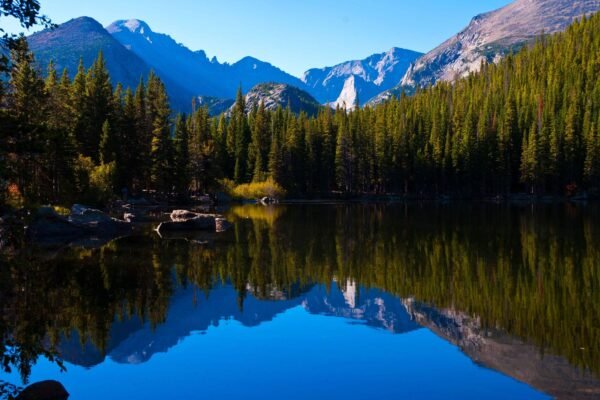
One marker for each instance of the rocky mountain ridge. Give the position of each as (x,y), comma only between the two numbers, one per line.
(488,38)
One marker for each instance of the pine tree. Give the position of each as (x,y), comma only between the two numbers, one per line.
(27,107)
(182,155)
(99,95)
(108,144)
(241,134)
(343,161)
(161,145)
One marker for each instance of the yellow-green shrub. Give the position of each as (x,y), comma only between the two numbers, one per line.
(95,183)
(255,190)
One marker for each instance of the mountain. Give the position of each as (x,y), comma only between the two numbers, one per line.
(491,36)
(366,78)
(82,38)
(274,95)
(189,69)
(193,69)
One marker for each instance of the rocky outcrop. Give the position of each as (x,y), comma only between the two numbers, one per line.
(45,390)
(488,38)
(274,95)
(96,221)
(184,220)
(342,83)
(49,228)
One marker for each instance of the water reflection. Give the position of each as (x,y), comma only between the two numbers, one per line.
(517,289)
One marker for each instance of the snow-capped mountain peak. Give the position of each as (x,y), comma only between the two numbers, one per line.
(132,25)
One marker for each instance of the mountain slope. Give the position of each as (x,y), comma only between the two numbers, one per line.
(189,69)
(192,69)
(82,38)
(274,95)
(365,78)
(491,36)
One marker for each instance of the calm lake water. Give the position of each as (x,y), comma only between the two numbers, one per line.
(320,302)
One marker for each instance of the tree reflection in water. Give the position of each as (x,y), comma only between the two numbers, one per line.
(531,272)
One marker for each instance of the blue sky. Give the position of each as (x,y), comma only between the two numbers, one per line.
(294,35)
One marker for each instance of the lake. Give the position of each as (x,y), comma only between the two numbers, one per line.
(319,301)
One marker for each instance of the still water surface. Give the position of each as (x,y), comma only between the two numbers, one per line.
(321,302)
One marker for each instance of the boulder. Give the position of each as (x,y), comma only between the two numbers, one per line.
(98,222)
(221,224)
(199,223)
(183,215)
(129,217)
(45,390)
(267,200)
(48,227)
(184,220)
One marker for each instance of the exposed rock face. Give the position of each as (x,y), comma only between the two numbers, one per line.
(491,36)
(497,350)
(45,390)
(359,78)
(274,95)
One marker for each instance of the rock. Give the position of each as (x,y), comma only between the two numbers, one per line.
(45,390)
(183,215)
(129,217)
(200,223)
(49,227)
(95,220)
(268,200)
(221,224)
(204,199)
(185,220)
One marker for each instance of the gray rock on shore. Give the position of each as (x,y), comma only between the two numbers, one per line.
(184,220)
(48,228)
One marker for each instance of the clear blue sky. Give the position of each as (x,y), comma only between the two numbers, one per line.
(294,35)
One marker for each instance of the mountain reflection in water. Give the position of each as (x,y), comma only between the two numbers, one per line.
(516,289)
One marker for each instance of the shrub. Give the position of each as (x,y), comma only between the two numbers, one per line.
(94,183)
(257,190)
(60,210)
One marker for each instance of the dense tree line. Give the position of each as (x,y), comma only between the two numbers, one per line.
(529,123)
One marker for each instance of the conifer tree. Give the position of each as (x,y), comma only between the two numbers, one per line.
(182,155)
